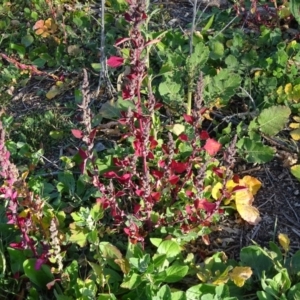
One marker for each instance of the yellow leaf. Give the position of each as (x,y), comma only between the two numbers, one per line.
(295,134)
(294,125)
(177,129)
(288,88)
(284,241)
(53,92)
(240,274)
(252,183)
(297,119)
(215,193)
(224,277)
(123,263)
(279,91)
(202,276)
(243,201)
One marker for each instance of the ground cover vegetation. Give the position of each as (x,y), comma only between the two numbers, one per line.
(119,138)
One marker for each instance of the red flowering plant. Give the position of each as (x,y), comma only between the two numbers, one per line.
(38,234)
(167,180)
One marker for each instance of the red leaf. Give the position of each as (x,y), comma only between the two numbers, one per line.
(77,133)
(125,177)
(204,204)
(173,179)
(92,134)
(183,137)
(157,106)
(212,147)
(153,142)
(219,172)
(190,194)
(157,174)
(178,167)
(111,174)
(204,135)
(161,163)
(189,119)
(156,196)
(115,61)
(140,193)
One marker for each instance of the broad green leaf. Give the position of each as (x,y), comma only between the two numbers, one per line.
(132,281)
(112,109)
(294,6)
(168,87)
(217,49)
(156,241)
(39,277)
(178,295)
(164,293)
(198,58)
(256,152)
(78,235)
(175,273)
(294,292)
(196,291)
(27,40)
(272,120)
(170,248)
(257,259)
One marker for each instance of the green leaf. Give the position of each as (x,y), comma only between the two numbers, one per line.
(175,273)
(160,261)
(39,277)
(169,88)
(196,291)
(78,235)
(294,292)
(170,248)
(217,49)
(256,152)
(178,295)
(112,109)
(2,264)
(273,119)
(257,259)
(106,297)
(294,6)
(17,257)
(164,293)
(132,281)
(96,67)
(295,170)
(198,58)
(27,40)
(156,241)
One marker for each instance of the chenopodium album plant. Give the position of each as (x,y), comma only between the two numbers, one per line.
(163,172)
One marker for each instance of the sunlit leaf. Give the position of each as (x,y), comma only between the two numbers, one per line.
(252,183)
(273,119)
(295,170)
(284,241)
(295,134)
(240,274)
(243,200)
(212,147)
(177,129)
(224,277)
